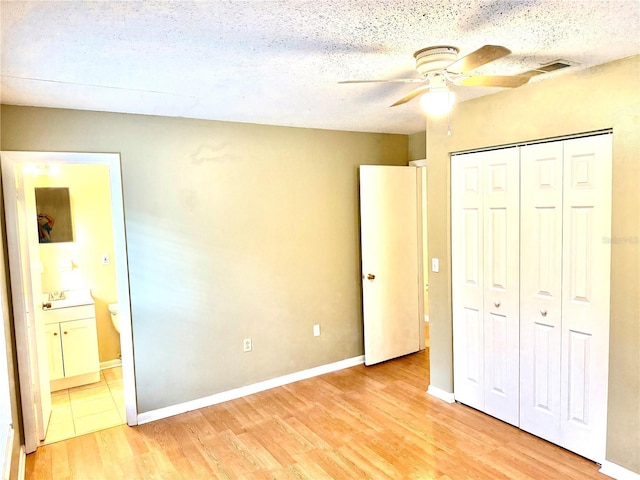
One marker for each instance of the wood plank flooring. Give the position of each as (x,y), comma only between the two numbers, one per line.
(360,423)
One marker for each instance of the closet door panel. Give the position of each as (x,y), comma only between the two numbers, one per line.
(541,288)
(501,283)
(496,341)
(471,341)
(467,280)
(586,294)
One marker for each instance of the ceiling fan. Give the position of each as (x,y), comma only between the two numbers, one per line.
(440,67)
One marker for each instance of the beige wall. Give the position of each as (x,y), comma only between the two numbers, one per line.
(599,98)
(90,197)
(417,146)
(233,231)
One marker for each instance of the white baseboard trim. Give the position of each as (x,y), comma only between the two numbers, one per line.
(441,394)
(614,470)
(116,362)
(165,412)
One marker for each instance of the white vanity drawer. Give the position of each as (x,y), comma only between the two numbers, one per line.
(69,313)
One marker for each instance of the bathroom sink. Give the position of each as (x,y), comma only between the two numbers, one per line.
(72,298)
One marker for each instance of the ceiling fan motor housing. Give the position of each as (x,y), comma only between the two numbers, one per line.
(432,59)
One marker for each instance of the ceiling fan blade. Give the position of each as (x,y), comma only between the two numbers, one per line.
(476,59)
(391,80)
(508,81)
(411,95)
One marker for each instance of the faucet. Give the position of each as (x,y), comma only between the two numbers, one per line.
(57,295)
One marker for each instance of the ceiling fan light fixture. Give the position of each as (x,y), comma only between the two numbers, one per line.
(440,67)
(437,101)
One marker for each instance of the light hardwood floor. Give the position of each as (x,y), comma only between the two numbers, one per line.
(364,422)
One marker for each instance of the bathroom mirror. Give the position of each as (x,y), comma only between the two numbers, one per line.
(54,215)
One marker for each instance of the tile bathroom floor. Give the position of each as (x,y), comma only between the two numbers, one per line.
(88,408)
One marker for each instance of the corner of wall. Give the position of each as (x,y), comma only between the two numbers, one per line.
(417,146)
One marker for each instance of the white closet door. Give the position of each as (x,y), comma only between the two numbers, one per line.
(485,277)
(541,289)
(585,294)
(467,278)
(501,311)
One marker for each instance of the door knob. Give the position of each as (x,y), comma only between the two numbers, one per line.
(497,303)
(543,312)
(370,276)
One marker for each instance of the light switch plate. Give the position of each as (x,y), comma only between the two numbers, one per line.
(316,330)
(435,265)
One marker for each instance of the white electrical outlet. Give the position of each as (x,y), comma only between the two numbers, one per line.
(246,344)
(105,259)
(316,330)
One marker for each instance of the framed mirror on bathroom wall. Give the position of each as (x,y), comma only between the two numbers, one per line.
(53,208)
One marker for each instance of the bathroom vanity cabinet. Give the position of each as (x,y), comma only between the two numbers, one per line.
(72,346)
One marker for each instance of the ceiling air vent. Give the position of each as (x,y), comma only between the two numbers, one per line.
(548,68)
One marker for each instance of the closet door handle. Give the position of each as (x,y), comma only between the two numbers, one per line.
(497,303)
(543,312)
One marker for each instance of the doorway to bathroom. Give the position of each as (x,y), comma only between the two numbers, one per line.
(72,378)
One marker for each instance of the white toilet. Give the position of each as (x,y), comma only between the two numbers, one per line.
(113,310)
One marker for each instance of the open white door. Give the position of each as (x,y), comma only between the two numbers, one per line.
(35,411)
(390,261)
(32,291)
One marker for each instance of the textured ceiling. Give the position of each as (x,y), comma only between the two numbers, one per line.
(278,62)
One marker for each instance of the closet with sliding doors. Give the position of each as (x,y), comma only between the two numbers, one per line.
(531,250)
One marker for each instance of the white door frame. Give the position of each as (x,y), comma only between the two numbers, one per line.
(422,166)
(11,164)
